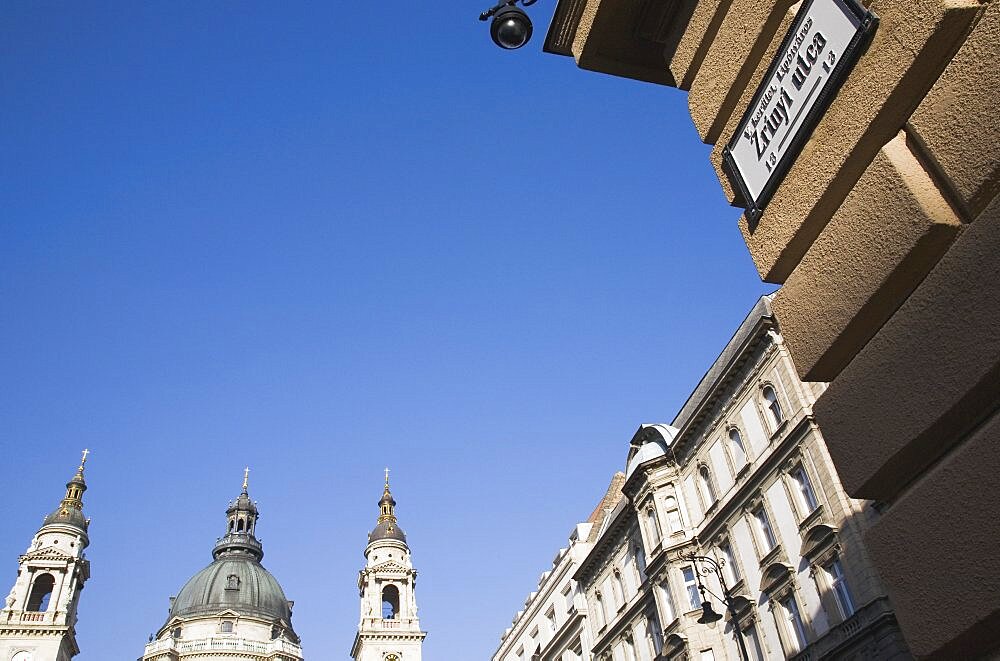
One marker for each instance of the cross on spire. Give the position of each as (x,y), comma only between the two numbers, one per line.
(387,476)
(84,459)
(246,477)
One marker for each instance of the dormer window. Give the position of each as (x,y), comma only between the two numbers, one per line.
(233,582)
(226,627)
(175,633)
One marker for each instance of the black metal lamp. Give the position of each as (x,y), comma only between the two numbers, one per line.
(511,27)
(704,565)
(708,614)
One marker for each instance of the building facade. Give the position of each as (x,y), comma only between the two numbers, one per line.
(39,615)
(233,609)
(884,232)
(741,476)
(552,624)
(389,629)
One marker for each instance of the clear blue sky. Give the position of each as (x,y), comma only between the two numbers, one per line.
(324,238)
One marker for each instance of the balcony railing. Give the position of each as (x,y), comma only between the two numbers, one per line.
(843,633)
(223,645)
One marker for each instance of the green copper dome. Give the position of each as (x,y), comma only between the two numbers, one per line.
(236,581)
(233,582)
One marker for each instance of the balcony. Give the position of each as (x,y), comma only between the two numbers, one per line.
(227,644)
(838,640)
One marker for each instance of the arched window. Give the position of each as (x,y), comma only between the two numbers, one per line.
(736,446)
(654,525)
(773,405)
(673,514)
(705,485)
(41,590)
(619,586)
(231,525)
(602,615)
(390,602)
(239,526)
(640,563)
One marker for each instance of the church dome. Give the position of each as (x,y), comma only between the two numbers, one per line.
(236,581)
(233,583)
(387,530)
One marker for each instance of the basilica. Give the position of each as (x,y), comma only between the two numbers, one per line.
(233,609)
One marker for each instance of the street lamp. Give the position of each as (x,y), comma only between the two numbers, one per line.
(708,615)
(511,27)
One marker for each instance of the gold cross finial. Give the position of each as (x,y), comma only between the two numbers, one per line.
(387,477)
(246,477)
(84,459)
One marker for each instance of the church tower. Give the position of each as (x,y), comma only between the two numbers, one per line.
(389,628)
(38,617)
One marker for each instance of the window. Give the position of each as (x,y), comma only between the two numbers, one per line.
(232,582)
(655,633)
(568,596)
(175,632)
(737,448)
(838,585)
(41,590)
(730,569)
(619,587)
(653,525)
(805,494)
(550,617)
(390,602)
(707,655)
(752,639)
(601,615)
(794,627)
(771,398)
(691,588)
(673,515)
(706,487)
(764,530)
(227,627)
(629,645)
(669,611)
(639,557)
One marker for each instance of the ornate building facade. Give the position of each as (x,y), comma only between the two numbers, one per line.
(552,624)
(233,609)
(39,615)
(740,476)
(389,629)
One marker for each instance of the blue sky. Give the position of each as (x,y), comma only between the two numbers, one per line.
(323,238)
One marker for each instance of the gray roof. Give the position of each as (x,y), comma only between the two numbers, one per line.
(387,530)
(254,592)
(736,345)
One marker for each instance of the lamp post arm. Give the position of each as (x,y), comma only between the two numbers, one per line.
(715,567)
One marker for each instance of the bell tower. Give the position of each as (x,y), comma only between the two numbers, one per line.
(389,629)
(38,616)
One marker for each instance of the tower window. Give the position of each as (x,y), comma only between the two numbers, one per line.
(239,526)
(390,602)
(41,590)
